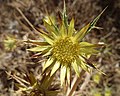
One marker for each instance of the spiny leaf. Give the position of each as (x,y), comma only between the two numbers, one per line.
(62,74)
(65,18)
(93,23)
(76,68)
(53,24)
(32,78)
(38,48)
(50,29)
(52,93)
(44,80)
(80,62)
(48,63)
(88,51)
(88,48)
(63,30)
(71,28)
(55,68)
(47,70)
(49,52)
(80,35)
(89,45)
(68,75)
(47,80)
(45,36)
(48,18)
(44,52)
(37,42)
(48,39)
(89,63)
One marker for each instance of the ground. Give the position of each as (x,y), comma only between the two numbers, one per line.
(19,59)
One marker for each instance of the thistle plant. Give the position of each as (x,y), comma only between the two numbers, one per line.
(63,46)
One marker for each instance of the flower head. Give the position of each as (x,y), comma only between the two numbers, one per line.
(63,46)
(10,43)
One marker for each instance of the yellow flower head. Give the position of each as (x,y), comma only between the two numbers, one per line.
(63,46)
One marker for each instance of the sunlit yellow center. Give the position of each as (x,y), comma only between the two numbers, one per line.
(65,51)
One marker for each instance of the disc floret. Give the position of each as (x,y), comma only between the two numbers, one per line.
(65,50)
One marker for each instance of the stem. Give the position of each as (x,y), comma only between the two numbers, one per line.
(69,93)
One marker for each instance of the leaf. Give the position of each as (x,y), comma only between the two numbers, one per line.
(47,80)
(55,68)
(76,68)
(48,69)
(71,28)
(50,29)
(50,19)
(48,39)
(47,53)
(52,23)
(68,75)
(32,79)
(38,48)
(48,63)
(80,62)
(62,74)
(80,35)
(45,36)
(89,45)
(63,30)
(93,23)
(90,64)
(88,48)
(65,18)
(37,42)
(88,51)
(52,93)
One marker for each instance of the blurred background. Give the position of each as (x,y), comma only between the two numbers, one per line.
(14,58)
